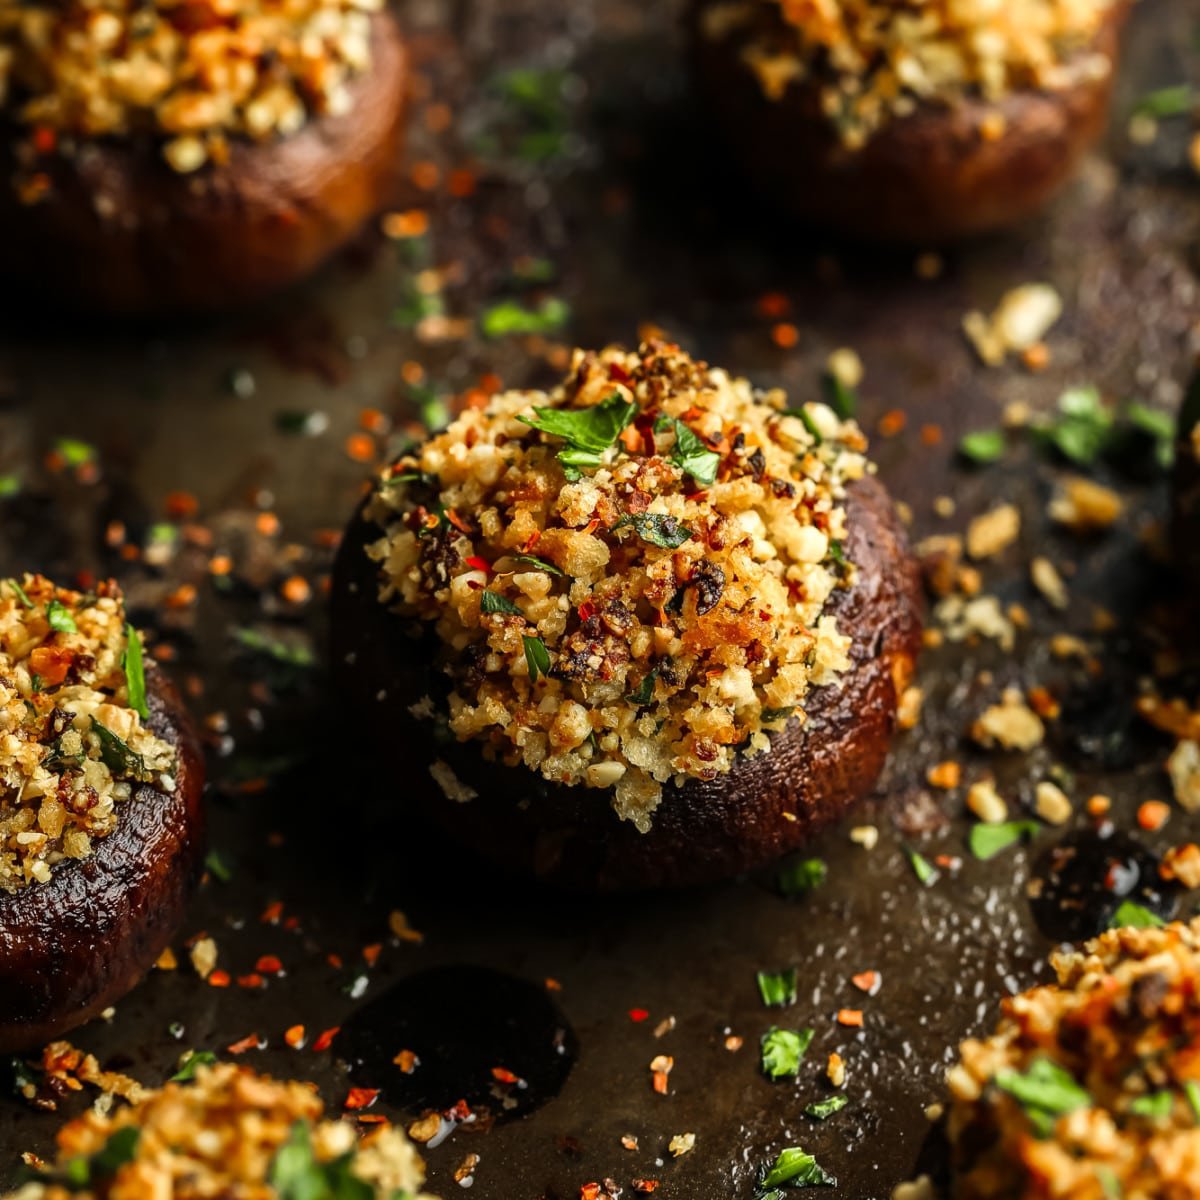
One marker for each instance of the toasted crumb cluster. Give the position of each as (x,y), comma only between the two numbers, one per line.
(192,74)
(1090,1087)
(221,1135)
(644,616)
(72,750)
(877,60)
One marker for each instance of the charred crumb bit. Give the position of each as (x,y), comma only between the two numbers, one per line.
(835,1070)
(1018,324)
(1084,506)
(1011,724)
(986,803)
(681,1144)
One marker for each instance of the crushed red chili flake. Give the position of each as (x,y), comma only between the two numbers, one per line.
(249,1042)
(645,1185)
(371,953)
(589,1191)
(268,964)
(253,980)
(294,1037)
(407,1061)
(1153,815)
(850,1016)
(638,1015)
(219,979)
(478,564)
(360,1097)
(867,981)
(504,1075)
(325,1039)
(272,913)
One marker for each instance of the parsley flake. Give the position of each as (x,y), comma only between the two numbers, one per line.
(537,656)
(116,755)
(295,1173)
(690,453)
(135,673)
(819,1110)
(509,317)
(493,602)
(657,529)
(20,593)
(986,841)
(588,432)
(644,693)
(540,563)
(1046,1092)
(1131,915)
(778,988)
(190,1062)
(59,618)
(983,446)
(796,1169)
(1156,1106)
(800,878)
(927,874)
(782,1050)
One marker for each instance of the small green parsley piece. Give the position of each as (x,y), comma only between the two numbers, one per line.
(1158,427)
(537,656)
(782,1050)
(657,529)
(588,432)
(796,1169)
(75,453)
(10,486)
(801,877)
(644,693)
(116,754)
(59,618)
(283,652)
(690,453)
(135,673)
(778,988)
(540,563)
(1109,1182)
(217,867)
(493,602)
(295,1173)
(1046,1092)
(1191,1089)
(986,841)
(510,317)
(768,715)
(20,593)
(190,1062)
(808,421)
(927,874)
(819,1110)
(1174,101)
(1131,915)
(983,446)
(839,396)
(1156,1106)
(837,553)
(420,477)
(1083,429)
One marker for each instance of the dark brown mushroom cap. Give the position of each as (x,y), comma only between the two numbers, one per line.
(1185,508)
(121,232)
(72,946)
(924,179)
(765,807)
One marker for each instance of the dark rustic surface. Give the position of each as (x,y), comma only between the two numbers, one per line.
(644,221)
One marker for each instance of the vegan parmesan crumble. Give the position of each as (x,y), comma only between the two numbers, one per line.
(192,75)
(72,748)
(1090,1086)
(640,598)
(229,1132)
(874,61)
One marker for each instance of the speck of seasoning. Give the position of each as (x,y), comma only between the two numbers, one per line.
(360,1097)
(1152,815)
(866,836)
(240,382)
(851,1017)
(637,1015)
(249,1042)
(325,1039)
(661,1067)
(944,775)
(407,1061)
(294,1037)
(1051,803)
(629,1141)
(360,447)
(868,981)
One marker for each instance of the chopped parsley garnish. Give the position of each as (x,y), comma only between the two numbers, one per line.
(588,432)
(657,529)
(78,1174)
(1156,1106)
(292,655)
(537,656)
(782,1050)
(116,754)
(135,673)
(59,618)
(1046,1092)
(1083,429)
(75,453)
(540,563)
(1191,1089)
(509,317)
(806,419)
(1131,915)
(217,867)
(690,453)
(493,602)
(10,486)
(421,477)
(796,1169)
(20,593)
(1174,101)
(926,873)
(800,878)
(644,693)
(778,988)
(776,714)
(295,1173)
(840,397)
(192,1060)
(986,841)
(1158,427)
(820,1109)
(983,446)
(837,553)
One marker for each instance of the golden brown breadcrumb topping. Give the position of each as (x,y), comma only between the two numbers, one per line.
(634,613)
(876,60)
(221,1135)
(191,72)
(72,749)
(1090,1087)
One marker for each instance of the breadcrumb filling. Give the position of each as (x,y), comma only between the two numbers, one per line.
(194,73)
(72,749)
(877,60)
(647,615)
(1093,1080)
(221,1135)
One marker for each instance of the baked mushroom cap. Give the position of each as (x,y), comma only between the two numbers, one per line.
(226,1132)
(1090,1086)
(886,126)
(101,821)
(705,630)
(141,218)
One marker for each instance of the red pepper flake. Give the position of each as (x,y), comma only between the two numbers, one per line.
(478,564)
(334,960)
(552,985)
(850,1016)
(1153,815)
(785,335)
(295,1037)
(360,448)
(589,1191)
(272,913)
(360,1097)
(253,980)
(645,1185)
(249,1042)
(325,1040)
(44,139)
(373,421)
(586,609)
(868,981)
(371,953)
(458,521)
(504,1075)
(772,305)
(268,964)
(407,1061)
(892,422)
(459,1111)
(696,495)
(182,505)
(296,590)
(219,979)
(618,374)
(531,541)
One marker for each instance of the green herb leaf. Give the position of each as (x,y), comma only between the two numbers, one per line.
(292,655)
(1174,101)
(1084,428)
(10,486)
(1156,1106)
(690,453)
(1158,427)
(20,593)
(926,873)
(192,1060)
(837,552)
(1191,1089)
(645,690)
(421,477)
(1131,915)
(807,420)
(589,432)
(768,715)
(135,673)
(778,988)
(537,656)
(842,399)
(657,529)
(295,1173)
(540,563)
(493,602)
(986,841)
(782,1050)
(1109,1182)
(116,754)
(1046,1091)
(118,1150)
(983,446)
(59,618)
(510,317)
(217,867)
(820,1109)
(796,1169)
(75,453)
(801,877)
